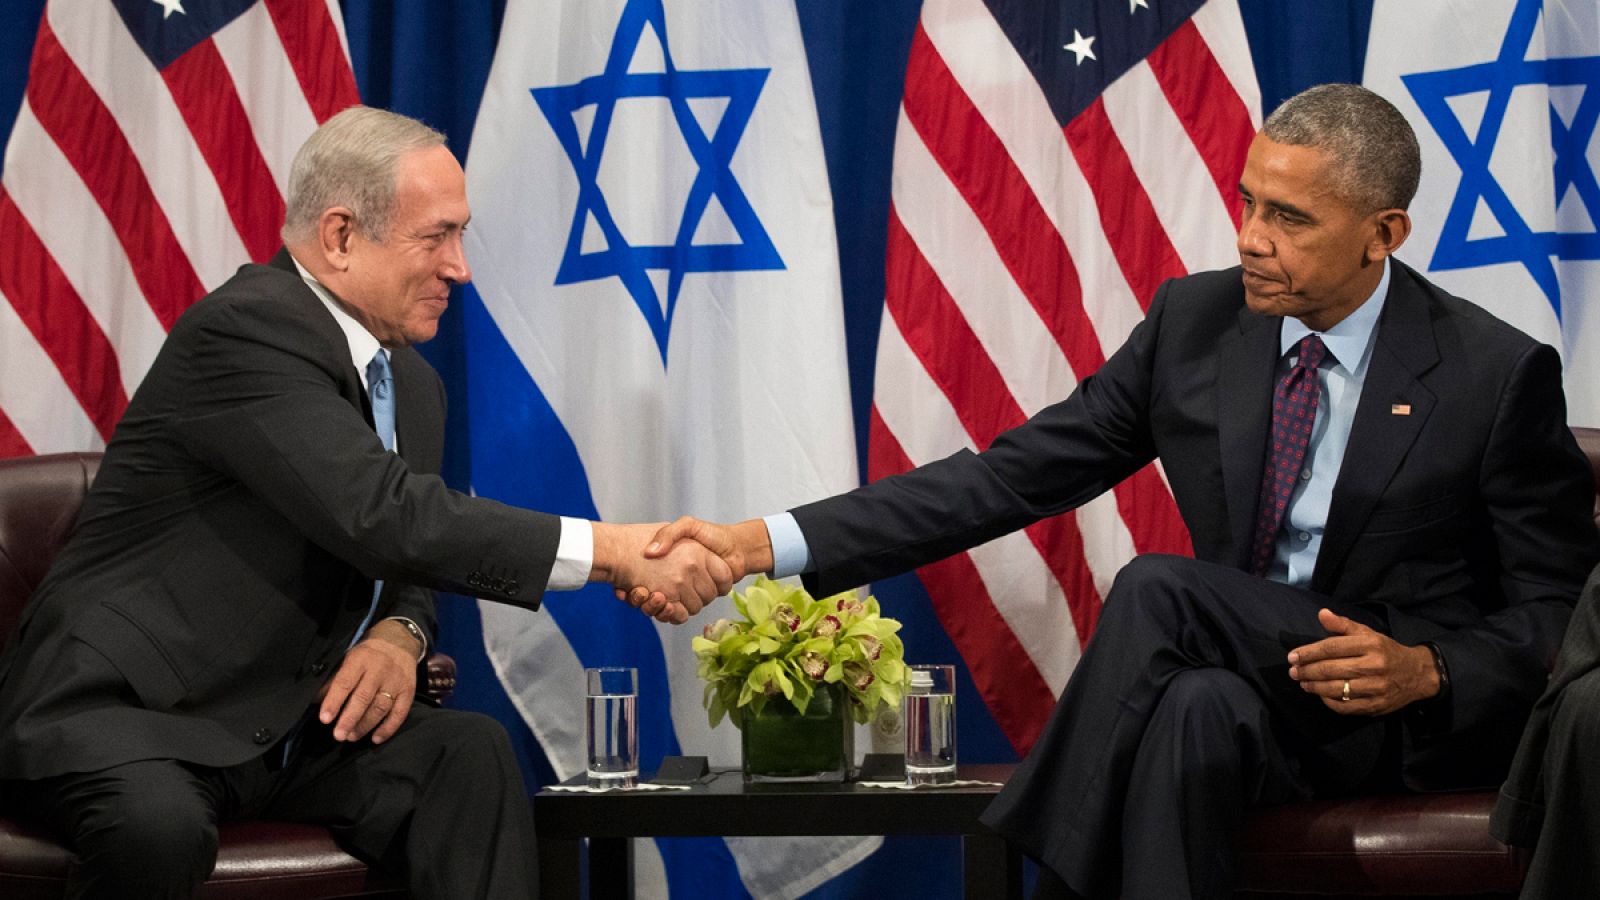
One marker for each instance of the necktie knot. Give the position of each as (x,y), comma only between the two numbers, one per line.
(1310,352)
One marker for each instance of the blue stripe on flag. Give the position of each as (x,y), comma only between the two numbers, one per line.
(522,455)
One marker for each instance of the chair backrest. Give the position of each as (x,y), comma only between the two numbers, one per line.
(39,501)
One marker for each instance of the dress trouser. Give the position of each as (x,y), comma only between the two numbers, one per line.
(1180,715)
(1565,863)
(441,802)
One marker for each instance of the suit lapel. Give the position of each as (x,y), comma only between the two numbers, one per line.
(1246,360)
(1381,435)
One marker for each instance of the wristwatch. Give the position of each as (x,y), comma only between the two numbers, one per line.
(1441,668)
(415,630)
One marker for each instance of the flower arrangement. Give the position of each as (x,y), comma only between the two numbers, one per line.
(790,643)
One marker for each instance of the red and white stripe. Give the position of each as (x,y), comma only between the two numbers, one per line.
(1021,255)
(129,192)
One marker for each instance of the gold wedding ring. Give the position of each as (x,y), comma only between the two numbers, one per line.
(1345,696)
(1346,693)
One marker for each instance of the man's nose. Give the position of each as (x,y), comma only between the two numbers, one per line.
(1253,240)
(455,268)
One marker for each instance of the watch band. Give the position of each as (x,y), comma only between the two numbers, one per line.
(416,632)
(1441,668)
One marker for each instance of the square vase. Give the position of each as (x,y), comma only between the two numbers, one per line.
(782,744)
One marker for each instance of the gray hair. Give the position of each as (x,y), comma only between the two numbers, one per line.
(350,161)
(1374,160)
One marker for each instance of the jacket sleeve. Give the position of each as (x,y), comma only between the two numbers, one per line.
(1539,493)
(266,410)
(1062,457)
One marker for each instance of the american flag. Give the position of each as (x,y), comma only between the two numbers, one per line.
(1055,162)
(149,160)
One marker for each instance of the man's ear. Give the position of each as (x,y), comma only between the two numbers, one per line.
(1391,227)
(335,230)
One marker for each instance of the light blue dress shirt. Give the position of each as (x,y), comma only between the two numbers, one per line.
(1339,384)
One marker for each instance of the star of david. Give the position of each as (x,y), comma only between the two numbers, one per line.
(1535,250)
(712,155)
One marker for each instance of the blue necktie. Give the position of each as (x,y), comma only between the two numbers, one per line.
(380,389)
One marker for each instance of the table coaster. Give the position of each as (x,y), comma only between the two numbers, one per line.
(902,786)
(639,786)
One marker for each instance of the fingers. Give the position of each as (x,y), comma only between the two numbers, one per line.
(371,693)
(1349,696)
(1329,648)
(372,710)
(672,588)
(670,534)
(721,575)
(1337,624)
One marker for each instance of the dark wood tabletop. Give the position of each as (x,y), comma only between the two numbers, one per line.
(723,804)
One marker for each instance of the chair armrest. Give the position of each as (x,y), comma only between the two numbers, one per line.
(436,678)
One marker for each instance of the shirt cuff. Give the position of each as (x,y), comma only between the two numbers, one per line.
(574,556)
(791,555)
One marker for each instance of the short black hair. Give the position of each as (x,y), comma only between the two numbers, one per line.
(1375,162)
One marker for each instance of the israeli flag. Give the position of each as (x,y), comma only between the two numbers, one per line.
(1503,97)
(656,328)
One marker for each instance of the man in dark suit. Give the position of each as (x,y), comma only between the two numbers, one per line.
(1551,799)
(235,626)
(1390,520)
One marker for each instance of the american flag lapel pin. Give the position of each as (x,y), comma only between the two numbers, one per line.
(1399,409)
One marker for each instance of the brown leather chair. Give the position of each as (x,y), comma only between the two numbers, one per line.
(1406,845)
(39,501)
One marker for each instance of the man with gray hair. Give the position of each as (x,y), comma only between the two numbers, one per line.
(1391,522)
(235,627)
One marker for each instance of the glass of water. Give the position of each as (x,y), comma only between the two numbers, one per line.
(929,713)
(612,731)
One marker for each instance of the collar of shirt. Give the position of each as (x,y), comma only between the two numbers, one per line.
(362,344)
(1350,341)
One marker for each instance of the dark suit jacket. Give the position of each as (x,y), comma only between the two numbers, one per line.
(226,553)
(1465,521)
(1532,791)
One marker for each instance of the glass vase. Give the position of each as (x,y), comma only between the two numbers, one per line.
(782,744)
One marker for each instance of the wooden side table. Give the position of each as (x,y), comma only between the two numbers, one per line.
(722,805)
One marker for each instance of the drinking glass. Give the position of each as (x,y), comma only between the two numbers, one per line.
(929,712)
(612,726)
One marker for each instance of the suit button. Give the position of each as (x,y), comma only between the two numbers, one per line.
(263,736)
(512,586)
(475,580)
(497,585)
(317,668)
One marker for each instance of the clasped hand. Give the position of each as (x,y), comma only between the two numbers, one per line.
(1359,671)
(670,584)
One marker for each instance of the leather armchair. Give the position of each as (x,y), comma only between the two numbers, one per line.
(1402,845)
(39,501)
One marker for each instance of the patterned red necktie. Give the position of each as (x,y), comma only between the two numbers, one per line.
(1294,412)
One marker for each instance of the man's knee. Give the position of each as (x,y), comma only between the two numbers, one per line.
(1152,586)
(477,743)
(1210,698)
(149,840)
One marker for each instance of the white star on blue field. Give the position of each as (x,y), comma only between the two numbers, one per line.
(712,155)
(1520,243)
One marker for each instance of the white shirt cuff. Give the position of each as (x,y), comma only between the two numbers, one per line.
(791,555)
(574,556)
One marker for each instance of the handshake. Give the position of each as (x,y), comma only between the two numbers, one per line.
(670,571)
